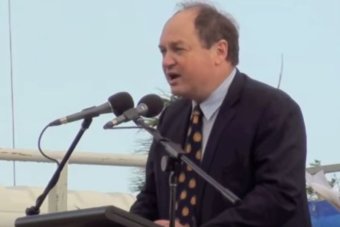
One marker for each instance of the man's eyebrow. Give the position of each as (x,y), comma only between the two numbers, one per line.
(174,43)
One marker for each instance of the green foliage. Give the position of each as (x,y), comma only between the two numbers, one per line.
(316,163)
(144,145)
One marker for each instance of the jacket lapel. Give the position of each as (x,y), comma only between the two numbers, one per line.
(226,113)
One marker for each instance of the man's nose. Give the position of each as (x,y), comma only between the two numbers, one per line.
(168,60)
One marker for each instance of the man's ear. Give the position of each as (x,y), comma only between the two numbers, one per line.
(221,51)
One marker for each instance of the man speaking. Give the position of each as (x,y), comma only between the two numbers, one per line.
(248,136)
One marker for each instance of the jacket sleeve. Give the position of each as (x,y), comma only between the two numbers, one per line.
(146,203)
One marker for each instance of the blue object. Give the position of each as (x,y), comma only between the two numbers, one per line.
(323,214)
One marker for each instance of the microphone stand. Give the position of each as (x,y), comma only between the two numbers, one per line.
(176,155)
(171,165)
(34,210)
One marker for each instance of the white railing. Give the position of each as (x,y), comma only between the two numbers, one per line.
(78,157)
(58,196)
(332,168)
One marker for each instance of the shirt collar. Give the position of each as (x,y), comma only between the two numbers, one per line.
(214,101)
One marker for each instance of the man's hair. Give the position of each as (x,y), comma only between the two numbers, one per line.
(212,26)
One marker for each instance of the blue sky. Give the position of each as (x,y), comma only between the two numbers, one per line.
(72,54)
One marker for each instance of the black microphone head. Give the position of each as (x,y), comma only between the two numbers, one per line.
(154,104)
(121,102)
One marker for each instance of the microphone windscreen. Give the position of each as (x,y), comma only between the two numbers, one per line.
(154,104)
(121,102)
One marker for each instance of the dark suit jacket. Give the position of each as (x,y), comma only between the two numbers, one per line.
(257,149)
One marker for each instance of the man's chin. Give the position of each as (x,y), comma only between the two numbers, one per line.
(178,92)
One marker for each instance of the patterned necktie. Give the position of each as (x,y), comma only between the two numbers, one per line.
(187,178)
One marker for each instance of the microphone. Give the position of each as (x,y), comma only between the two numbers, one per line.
(149,106)
(117,104)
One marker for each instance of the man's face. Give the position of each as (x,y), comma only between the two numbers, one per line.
(187,65)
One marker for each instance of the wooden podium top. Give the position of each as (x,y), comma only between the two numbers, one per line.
(106,216)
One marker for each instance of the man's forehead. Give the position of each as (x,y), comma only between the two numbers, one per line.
(177,33)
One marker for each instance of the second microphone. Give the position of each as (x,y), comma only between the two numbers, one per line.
(149,106)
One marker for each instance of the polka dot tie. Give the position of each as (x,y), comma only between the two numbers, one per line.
(187,178)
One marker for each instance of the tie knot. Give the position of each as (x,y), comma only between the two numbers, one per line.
(196,117)
(197,110)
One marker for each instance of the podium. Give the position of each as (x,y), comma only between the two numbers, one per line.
(106,216)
